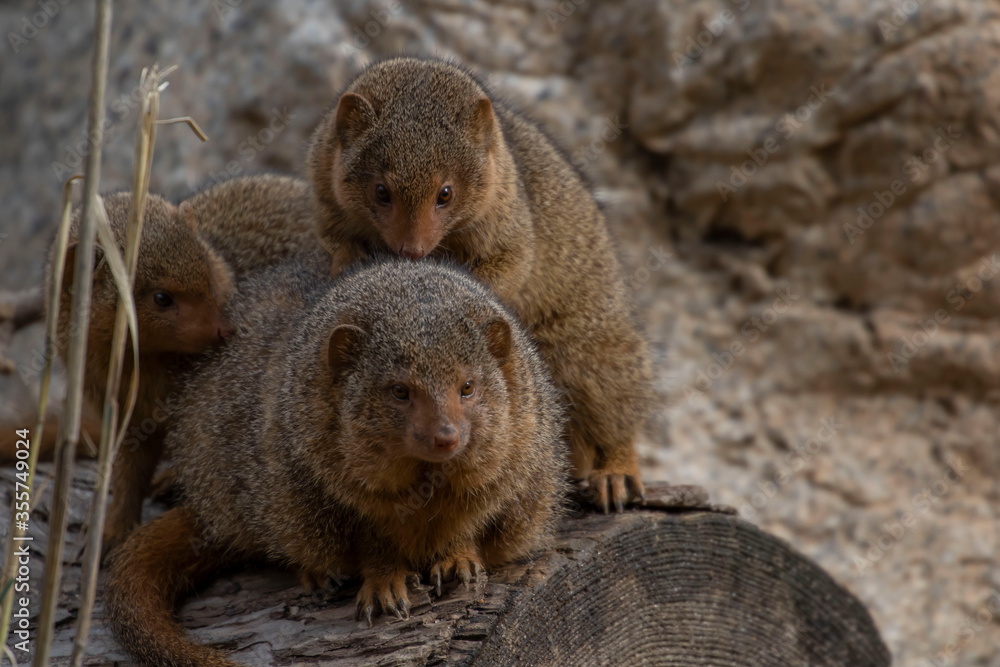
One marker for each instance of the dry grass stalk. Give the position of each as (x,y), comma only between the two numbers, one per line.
(17,533)
(125,315)
(69,425)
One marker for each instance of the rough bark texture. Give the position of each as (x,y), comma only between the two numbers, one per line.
(679,582)
(773,321)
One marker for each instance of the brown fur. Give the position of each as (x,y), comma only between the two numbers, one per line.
(257,221)
(296,447)
(194,253)
(140,587)
(175,262)
(517,215)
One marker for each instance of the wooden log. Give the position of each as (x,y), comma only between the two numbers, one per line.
(679,582)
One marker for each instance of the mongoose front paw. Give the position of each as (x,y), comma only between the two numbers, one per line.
(618,486)
(383,593)
(465,566)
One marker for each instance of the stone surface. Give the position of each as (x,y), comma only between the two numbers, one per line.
(831,372)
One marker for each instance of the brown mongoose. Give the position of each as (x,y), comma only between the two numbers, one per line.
(258,221)
(180,287)
(392,421)
(189,257)
(419,158)
(252,222)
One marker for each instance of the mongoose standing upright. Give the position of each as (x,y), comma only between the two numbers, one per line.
(190,258)
(396,420)
(418,158)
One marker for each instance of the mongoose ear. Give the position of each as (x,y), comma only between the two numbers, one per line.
(498,339)
(353,118)
(342,348)
(481,123)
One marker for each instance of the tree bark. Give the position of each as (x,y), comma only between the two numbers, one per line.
(678,582)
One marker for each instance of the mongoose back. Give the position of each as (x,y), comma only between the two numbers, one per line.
(395,420)
(418,158)
(259,221)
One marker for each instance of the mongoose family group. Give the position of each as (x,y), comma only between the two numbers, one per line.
(395,375)
(440,302)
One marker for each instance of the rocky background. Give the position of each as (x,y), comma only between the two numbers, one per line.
(805,194)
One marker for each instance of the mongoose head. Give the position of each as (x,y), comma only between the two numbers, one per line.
(408,155)
(421,368)
(181,284)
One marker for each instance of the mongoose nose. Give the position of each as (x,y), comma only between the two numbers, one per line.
(446,438)
(412,253)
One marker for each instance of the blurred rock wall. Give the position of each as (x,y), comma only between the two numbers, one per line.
(805,196)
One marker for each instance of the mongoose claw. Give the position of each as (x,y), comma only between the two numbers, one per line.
(387,592)
(389,607)
(368,610)
(464,567)
(608,486)
(436,578)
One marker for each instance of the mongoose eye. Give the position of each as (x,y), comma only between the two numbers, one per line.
(382,194)
(468,389)
(163,300)
(445,195)
(400,392)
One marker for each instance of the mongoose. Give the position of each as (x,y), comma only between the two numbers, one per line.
(190,258)
(419,158)
(180,287)
(259,221)
(394,421)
